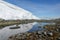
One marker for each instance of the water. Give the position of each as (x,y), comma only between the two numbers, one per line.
(38,27)
(6,32)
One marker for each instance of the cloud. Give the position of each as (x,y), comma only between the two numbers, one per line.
(44,8)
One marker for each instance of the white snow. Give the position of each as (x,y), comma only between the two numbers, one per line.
(10,11)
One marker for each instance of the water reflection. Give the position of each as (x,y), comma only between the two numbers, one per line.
(6,32)
(38,27)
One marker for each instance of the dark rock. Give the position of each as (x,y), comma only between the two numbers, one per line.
(14,27)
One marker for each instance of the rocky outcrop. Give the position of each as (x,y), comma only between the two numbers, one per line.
(26,36)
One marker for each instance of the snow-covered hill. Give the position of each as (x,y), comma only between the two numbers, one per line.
(10,11)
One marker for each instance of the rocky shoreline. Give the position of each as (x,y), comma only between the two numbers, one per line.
(38,35)
(26,36)
(51,32)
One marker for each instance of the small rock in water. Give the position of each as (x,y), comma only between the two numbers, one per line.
(14,27)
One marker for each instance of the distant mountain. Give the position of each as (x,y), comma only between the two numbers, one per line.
(9,11)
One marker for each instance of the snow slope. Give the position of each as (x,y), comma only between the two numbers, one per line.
(10,11)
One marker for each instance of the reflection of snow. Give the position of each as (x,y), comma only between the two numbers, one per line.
(6,32)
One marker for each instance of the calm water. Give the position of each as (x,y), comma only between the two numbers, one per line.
(38,26)
(6,32)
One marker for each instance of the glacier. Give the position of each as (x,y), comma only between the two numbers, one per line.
(12,12)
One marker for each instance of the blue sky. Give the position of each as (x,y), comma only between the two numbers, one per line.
(40,8)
